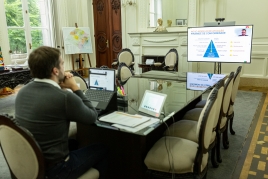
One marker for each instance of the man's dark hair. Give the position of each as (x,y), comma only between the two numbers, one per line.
(244,30)
(42,61)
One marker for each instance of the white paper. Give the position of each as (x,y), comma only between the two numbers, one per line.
(139,127)
(124,119)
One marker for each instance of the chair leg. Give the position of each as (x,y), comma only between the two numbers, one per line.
(148,174)
(231,125)
(225,140)
(213,159)
(12,175)
(205,176)
(218,147)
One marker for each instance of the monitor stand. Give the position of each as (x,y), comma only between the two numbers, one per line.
(217,68)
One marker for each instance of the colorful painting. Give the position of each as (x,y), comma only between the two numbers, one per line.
(77,40)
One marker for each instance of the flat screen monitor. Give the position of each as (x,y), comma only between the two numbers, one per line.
(226,44)
(101,79)
(202,81)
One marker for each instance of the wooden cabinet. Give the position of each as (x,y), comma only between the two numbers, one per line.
(156,58)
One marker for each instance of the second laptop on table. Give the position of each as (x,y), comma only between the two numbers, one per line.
(102,92)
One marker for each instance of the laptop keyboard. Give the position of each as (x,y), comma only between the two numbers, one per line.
(99,95)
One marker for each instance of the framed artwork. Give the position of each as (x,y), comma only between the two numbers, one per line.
(181,21)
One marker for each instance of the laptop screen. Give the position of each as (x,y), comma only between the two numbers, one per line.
(152,103)
(201,81)
(101,79)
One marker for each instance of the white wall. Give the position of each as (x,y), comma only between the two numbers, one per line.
(70,12)
(200,11)
(243,12)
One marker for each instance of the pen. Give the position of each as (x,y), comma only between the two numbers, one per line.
(118,89)
(123,91)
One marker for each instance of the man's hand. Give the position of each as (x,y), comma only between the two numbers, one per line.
(69,82)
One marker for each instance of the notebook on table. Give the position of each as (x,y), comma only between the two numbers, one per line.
(101,87)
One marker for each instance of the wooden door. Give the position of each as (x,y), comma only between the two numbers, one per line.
(108,33)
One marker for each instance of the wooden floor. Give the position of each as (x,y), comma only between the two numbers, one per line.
(254,166)
(252,88)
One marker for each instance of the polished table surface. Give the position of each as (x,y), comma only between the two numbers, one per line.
(127,149)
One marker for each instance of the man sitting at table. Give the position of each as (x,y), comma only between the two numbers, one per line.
(46,109)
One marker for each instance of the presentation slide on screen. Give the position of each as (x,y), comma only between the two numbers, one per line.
(153,102)
(101,80)
(201,81)
(220,44)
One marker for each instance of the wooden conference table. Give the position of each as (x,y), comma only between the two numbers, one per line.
(127,150)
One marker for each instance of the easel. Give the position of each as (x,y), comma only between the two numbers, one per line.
(81,68)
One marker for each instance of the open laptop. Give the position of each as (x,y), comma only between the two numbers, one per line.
(152,103)
(101,88)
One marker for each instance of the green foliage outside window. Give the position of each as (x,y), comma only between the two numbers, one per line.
(14,18)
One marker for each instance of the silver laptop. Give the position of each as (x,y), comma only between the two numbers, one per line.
(152,103)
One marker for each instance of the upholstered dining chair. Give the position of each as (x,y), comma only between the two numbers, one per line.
(123,73)
(186,128)
(22,153)
(223,122)
(181,157)
(230,114)
(170,62)
(222,127)
(126,56)
(80,80)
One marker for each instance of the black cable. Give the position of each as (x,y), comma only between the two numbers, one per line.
(170,156)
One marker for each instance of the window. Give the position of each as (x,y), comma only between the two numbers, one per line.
(155,12)
(28,25)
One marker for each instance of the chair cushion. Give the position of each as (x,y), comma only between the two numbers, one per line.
(180,152)
(201,103)
(92,173)
(126,57)
(81,83)
(72,130)
(186,129)
(157,64)
(170,60)
(125,73)
(115,63)
(22,160)
(223,122)
(193,114)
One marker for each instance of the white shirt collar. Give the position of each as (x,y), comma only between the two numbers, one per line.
(48,81)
